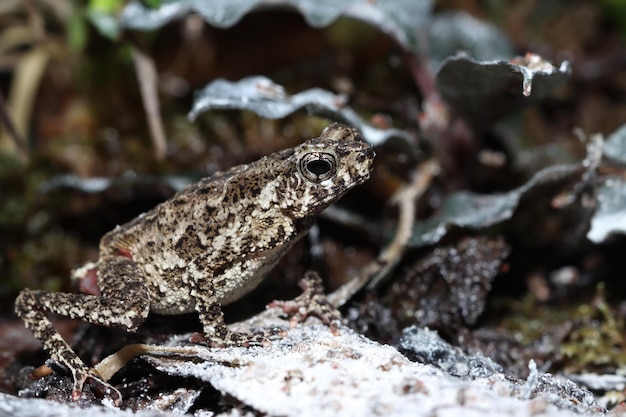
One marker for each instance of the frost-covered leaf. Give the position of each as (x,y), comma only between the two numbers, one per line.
(401,19)
(267,99)
(453,32)
(97,185)
(348,375)
(610,216)
(477,211)
(447,288)
(615,145)
(313,372)
(426,346)
(28,407)
(485,92)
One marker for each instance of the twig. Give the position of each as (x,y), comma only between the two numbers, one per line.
(389,257)
(20,103)
(148,83)
(7,122)
(113,363)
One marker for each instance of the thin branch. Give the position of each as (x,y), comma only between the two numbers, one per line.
(406,199)
(7,122)
(148,84)
(113,363)
(28,75)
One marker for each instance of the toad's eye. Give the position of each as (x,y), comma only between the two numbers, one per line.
(318,166)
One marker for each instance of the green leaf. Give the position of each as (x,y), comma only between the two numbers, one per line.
(77,32)
(105,23)
(152,3)
(105,6)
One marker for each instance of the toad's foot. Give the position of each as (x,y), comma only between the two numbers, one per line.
(312,302)
(93,378)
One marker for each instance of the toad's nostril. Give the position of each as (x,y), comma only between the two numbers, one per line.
(367,153)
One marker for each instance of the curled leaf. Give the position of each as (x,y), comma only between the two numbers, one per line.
(447,288)
(485,92)
(267,99)
(96,185)
(610,216)
(475,211)
(615,145)
(400,19)
(454,32)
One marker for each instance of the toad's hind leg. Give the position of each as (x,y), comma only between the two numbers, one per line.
(125,302)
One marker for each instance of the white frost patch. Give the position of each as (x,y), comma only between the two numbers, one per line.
(603,226)
(31,407)
(311,372)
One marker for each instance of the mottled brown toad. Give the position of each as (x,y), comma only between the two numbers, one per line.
(207,246)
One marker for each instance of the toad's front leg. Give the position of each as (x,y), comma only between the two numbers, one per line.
(124,302)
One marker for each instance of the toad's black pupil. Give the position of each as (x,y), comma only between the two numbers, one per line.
(318,167)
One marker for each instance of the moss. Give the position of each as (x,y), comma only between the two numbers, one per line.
(584,336)
(597,340)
